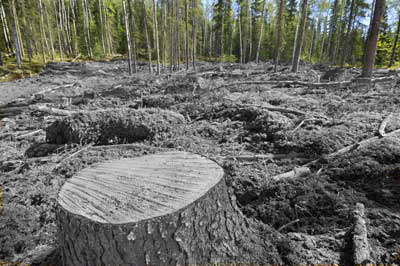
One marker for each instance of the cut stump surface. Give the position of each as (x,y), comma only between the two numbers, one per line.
(134,189)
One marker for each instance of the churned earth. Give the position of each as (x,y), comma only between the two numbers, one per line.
(312,159)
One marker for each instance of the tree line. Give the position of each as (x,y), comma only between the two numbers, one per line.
(173,34)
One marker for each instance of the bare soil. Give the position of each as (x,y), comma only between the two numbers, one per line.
(256,130)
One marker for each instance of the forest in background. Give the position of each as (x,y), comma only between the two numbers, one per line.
(172,31)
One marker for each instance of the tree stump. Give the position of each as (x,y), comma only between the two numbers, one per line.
(170,208)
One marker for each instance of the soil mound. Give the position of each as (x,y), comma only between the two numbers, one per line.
(113,126)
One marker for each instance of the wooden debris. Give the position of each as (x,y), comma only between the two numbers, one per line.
(52,111)
(383,125)
(361,252)
(339,84)
(268,156)
(298,172)
(295,173)
(69,156)
(288,224)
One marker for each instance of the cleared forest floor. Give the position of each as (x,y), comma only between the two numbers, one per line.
(300,155)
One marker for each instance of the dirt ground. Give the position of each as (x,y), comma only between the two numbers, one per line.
(256,123)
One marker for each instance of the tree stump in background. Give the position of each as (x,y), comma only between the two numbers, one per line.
(170,208)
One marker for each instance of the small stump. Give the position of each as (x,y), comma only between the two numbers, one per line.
(170,208)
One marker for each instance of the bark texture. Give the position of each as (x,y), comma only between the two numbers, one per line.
(112,126)
(208,229)
(299,44)
(370,51)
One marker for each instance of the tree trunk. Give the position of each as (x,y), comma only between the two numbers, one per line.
(86,27)
(321,53)
(132,38)
(15,33)
(102,27)
(17,28)
(261,31)
(187,34)
(232,26)
(41,26)
(222,32)
(164,31)
(6,30)
(370,52)
(1,59)
(194,33)
(75,34)
(180,212)
(348,35)
(240,37)
(177,40)
(171,35)
(147,35)
(128,37)
(58,27)
(156,36)
(279,33)
(53,53)
(299,43)
(332,30)
(250,20)
(396,38)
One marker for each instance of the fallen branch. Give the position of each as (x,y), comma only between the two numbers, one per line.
(284,110)
(298,126)
(361,252)
(32,133)
(276,109)
(73,154)
(19,135)
(295,173)
(79,55)
(268,156)
(298,172)
(383,125)
(288,224)
(52,110)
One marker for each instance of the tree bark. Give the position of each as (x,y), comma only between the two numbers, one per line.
(332,30)
(6,30)
(128,37)
(299,43)
(396,38)
(240,38)
(102,26)
(194,34)
(86,27)
(132,38)
(53,53)
(172,216)
(41,26)
(261,31)
(370,52)
(279,33)
(15,33)
(187,34)
(348,35)
(147,35)
(156,35)
(58,26)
